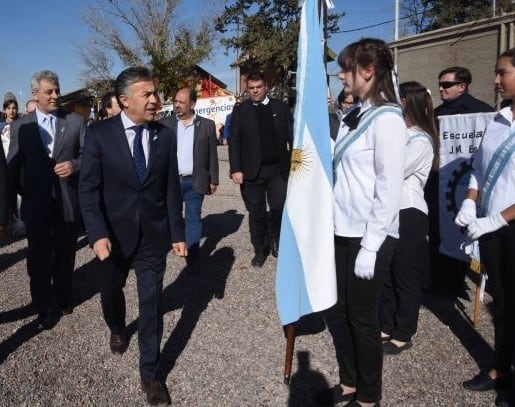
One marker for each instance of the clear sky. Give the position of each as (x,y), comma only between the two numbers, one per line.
(39,34)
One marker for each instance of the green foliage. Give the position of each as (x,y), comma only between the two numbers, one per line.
(144,32)
(428,15)
(264,32)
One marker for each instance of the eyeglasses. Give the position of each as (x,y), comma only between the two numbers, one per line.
(447,85)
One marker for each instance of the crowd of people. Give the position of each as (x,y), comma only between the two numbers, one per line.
(137,183)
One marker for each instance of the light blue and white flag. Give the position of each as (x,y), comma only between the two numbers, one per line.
(306,279)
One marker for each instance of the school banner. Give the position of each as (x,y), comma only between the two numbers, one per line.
(460,136)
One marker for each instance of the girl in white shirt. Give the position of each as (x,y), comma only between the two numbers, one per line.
(369,172)
(492,190)
(398,313)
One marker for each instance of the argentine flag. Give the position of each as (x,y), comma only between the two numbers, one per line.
(306,278)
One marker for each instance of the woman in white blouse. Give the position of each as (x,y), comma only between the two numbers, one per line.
(398,313)
(369,158)
(488,213)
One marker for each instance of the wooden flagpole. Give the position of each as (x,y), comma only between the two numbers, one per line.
(288,357)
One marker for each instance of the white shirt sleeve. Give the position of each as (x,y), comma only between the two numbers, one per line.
(390,134)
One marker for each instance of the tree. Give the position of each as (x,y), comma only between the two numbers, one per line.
(264,32)
(143,32)
(428,15)
(414,15)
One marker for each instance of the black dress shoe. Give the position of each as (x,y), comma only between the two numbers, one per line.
(66,310)
(158,394)
(118,343)
(389,348)
(355,403)
(259,259)
(503,399)
(145,386)
(47,320)
(330,397)
(481,382)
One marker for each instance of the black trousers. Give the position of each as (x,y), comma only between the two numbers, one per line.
(398,313)
(498,255)
(50,260)
(149,271)
(362,367)
(268,186)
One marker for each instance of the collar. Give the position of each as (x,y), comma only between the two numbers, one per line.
(128,123)
(265,101)
(505,114)
(41,116)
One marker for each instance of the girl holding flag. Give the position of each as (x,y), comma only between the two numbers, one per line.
(491,195)
(368,164)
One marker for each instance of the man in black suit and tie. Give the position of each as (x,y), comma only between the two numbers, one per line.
(45,150)
(260,142)
(198,165)
(3,194)
(131,203)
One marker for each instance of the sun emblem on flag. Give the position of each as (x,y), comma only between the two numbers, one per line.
(301,160)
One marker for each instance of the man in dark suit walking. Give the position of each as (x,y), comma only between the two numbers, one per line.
(3,194)
(131,203)
(259,155)
(198,165)
(45,150)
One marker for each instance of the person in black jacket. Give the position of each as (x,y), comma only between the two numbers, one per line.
(453,83)
(259,155)
(3,193)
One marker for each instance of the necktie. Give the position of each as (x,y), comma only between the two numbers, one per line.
(49,127)
(138,155)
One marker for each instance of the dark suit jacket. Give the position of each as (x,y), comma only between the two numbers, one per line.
(245,140)
(3,190)
(113,201)
(205,156)
(38,180)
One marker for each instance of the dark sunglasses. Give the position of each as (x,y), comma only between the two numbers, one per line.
(447,85)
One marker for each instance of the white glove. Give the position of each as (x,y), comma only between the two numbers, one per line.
(365,263)
(467,213)
(481,226)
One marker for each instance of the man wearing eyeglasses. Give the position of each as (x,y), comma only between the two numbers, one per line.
(448,274)
(453,85)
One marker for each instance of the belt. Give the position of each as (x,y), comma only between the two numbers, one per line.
(185,176)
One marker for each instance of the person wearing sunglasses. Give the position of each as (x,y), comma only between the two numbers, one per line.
(448,274)
(453,84)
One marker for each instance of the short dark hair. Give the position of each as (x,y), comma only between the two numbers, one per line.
(128,77)
(9,101)
(256,76)
(509,53)
(461,74)
(106,100)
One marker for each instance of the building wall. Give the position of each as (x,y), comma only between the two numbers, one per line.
(472,45)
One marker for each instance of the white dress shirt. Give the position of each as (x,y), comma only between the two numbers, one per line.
(185,138)
(130,133)
(370,174)
(503,192)
(419,159)
(46,123)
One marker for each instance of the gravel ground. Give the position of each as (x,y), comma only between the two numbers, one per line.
(223,344)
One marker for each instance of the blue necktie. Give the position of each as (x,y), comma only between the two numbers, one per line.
(138,155)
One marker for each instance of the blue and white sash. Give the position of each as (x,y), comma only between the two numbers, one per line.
(420,134)
(495,168)
(343,143)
